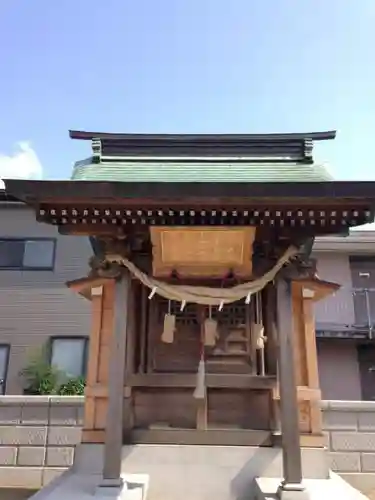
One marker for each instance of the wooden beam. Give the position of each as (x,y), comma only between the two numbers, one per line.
(208,437)
(292,463)
(90,229)
(188,381)
(213,381)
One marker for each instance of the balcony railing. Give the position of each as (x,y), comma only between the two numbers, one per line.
(362,310)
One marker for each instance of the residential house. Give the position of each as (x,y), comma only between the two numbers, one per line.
(37,309)
(345,322)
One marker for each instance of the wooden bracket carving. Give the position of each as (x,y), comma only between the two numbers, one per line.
(299,269)
(103,269)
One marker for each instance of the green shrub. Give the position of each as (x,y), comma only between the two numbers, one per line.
(72,387)
(40,378)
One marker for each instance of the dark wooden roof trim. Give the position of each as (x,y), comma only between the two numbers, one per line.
(287,147)
(5,197)
(33,191)
(316,136)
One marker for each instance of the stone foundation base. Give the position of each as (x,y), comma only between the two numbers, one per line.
(200,472)
(266,488)
(173,473)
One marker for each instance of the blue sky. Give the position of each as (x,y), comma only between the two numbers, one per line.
(184,66)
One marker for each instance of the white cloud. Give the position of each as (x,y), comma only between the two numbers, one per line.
(22,164)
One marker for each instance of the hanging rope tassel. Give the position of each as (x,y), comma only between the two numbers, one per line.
(210,330)
(169,326)
(260,339)
(200,388)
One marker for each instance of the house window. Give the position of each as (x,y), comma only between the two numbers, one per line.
(27,254)
(4,360)
(69,355)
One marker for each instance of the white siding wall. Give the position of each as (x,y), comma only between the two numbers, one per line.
(338,308)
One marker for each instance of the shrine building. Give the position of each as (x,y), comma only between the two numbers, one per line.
(202,289)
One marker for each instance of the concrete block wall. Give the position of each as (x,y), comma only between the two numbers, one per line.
(38,435)
(350,428)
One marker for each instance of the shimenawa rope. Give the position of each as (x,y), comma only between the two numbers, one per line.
(210,296)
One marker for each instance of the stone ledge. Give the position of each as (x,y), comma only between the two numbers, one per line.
(67,400)
(22,400)
(356,406)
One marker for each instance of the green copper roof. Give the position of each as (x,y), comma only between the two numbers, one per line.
(198,171)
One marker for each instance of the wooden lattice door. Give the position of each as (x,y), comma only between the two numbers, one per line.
(181,355)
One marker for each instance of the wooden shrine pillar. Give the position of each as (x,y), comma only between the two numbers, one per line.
(292,463)
(116,376)
(299,391)
(104,393)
